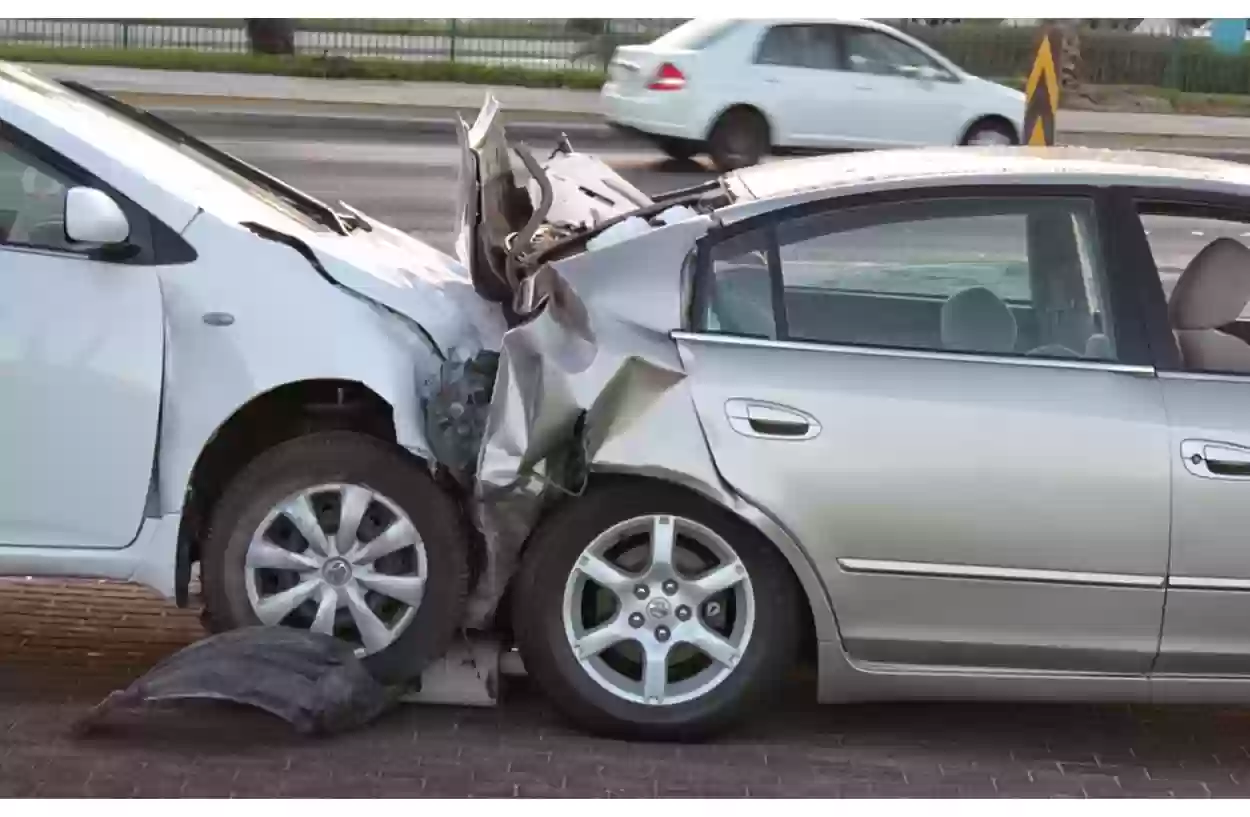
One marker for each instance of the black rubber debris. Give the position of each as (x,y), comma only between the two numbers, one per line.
(314,682)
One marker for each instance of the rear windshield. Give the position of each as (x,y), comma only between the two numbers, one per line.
(695,34)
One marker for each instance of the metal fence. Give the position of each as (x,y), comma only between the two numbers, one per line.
(552,44)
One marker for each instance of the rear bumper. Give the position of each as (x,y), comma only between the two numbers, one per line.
(654,113)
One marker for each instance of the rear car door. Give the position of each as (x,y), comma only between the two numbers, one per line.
(901,97)
(81,365)
(1206,388)
(946,399)
(795,80)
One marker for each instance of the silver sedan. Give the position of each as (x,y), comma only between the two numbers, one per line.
(964,423)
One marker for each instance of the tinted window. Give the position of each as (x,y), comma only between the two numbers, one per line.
(872,52)
(1005,276)
(800,46)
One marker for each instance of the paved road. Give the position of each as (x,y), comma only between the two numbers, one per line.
(65,645)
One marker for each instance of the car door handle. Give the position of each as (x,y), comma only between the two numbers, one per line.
(755,418)
(1216,460)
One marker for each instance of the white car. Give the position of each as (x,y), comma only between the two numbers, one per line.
(742,88)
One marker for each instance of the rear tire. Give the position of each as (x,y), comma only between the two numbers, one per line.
(261,504)
(755,628)
(681,150)
(740,138)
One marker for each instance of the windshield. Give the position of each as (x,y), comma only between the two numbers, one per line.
(695,34)
(123,133)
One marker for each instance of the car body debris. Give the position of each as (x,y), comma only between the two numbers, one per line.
(314,682)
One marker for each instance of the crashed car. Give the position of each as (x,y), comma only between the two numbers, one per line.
(953,422)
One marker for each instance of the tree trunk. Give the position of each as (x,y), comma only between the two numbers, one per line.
(272,36)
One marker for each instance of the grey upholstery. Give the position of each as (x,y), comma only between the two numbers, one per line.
(1098,347)
(1212,292)
(976,320)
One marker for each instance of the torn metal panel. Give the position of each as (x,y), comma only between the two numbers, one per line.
(314,682)
(559,397)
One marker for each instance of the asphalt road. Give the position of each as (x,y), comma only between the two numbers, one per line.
(411,185)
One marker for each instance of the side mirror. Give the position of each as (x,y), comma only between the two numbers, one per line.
(94,219)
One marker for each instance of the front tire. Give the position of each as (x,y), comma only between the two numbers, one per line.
(340,533)
(647,613)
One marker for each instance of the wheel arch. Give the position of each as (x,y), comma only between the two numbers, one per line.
(743,106)
(985,119)
(281,413)
(818,615)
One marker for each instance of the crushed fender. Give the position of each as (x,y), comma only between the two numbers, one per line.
(313,681)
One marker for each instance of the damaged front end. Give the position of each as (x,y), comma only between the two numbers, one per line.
(520,426)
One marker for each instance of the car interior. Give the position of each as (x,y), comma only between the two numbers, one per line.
(1205,306)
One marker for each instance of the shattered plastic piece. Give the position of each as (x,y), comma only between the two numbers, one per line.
(617,233)
(676,214)
(456,409)
(313,681)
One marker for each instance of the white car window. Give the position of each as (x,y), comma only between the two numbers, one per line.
(32,200)
(800,46)
(872,52)
(1024,275)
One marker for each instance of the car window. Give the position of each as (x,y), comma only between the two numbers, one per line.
(999,276)
(1175,239)
(32,200)
(800,46)
(872,52)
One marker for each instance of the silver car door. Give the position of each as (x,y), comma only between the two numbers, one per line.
(952,409)
(1207,398)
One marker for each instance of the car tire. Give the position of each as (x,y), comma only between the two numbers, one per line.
(399,489)
(990,132)
(739,139)
(680,150)
(546,587)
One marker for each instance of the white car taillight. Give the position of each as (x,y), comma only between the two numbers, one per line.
(667,78)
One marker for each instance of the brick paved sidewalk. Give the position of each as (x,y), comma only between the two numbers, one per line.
(64,645)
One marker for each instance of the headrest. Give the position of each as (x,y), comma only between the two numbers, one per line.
(976,320)
(1213,289)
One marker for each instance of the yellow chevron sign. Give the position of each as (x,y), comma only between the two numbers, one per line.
(1042,94)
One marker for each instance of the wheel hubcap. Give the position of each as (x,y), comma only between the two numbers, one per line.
(635,610)
(338,559)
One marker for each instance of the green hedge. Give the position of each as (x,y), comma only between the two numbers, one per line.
(1107,57)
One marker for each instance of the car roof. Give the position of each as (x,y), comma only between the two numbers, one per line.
(792,181)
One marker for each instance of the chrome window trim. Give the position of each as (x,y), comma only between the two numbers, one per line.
(914,354)
(1207,583)
(890,567)
(1210,377)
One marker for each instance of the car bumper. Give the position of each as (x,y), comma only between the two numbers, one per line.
(655,113)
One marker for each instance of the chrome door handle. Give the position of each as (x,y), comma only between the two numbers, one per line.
(1216,460)
(755,418)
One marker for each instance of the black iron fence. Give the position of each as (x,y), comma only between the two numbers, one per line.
(554,44)
(987,48)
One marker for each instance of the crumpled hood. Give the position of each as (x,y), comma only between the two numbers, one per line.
(414,279)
